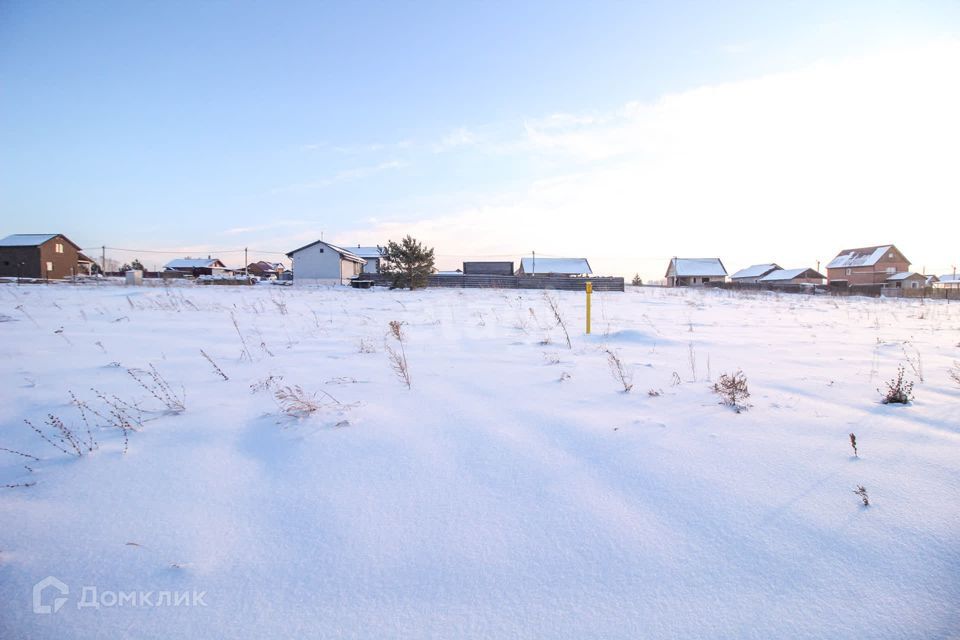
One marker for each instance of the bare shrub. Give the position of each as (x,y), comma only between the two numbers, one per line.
(551,357)
(61,437)
(861,492)
(733,390)
(215,366)
(620,373)
(853,443)
(270,382)
(279,302)
(555,309)
(898,390)
(159,388)
(297,403)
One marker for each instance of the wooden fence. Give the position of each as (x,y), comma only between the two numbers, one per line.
(470,281)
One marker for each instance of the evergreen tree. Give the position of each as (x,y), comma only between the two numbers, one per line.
(636,280)
(409,262)
(136,264)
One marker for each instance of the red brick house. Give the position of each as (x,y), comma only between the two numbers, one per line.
(866,265)
(50,256)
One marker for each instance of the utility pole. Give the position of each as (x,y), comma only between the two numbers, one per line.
(246,273)
(103,260)
(534,263)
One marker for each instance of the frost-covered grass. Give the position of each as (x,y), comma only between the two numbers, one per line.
(506,487)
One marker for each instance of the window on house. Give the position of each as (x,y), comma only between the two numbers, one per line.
(49,266)
(849,271)
(891,270)
(705,280)
(58,248)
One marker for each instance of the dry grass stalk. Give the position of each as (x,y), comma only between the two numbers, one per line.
(159,388)
(66,440)
(853,443)
(554,307)
(216,367)
(619,371)
(861,491)
(398,357)
(244,352)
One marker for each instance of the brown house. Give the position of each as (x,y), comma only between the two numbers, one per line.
(38,255)
(866,265)
(263,269)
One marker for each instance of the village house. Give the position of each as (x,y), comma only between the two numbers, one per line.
(948,281)
(554,267)
(50,256)
(694,272)
(793,277)
(196,267)
(264,269)
(906,280)
(372,255)
(323,263)
(866,266)
(753,273)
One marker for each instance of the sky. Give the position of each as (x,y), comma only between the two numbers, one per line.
(623,132)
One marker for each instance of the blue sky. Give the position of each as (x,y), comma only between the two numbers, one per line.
(203,126)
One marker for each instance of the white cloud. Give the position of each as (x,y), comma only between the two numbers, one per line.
(788,167)
(460,137)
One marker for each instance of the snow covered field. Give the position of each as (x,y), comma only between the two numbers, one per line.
(513,491)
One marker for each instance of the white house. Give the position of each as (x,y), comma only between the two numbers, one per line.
(324,263)
(554,266)
(907,280)
(371,254)
(753,273)
(687,272)
(948,281)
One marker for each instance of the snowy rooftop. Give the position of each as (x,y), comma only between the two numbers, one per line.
(349,255)
(366,252)
(789,274)
(555,265)
(194,263)
(686,267)
(865,257)
(755,271)
(26,239)
(950,277)
(903,275)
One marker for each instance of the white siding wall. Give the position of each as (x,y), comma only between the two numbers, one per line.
(319,264)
